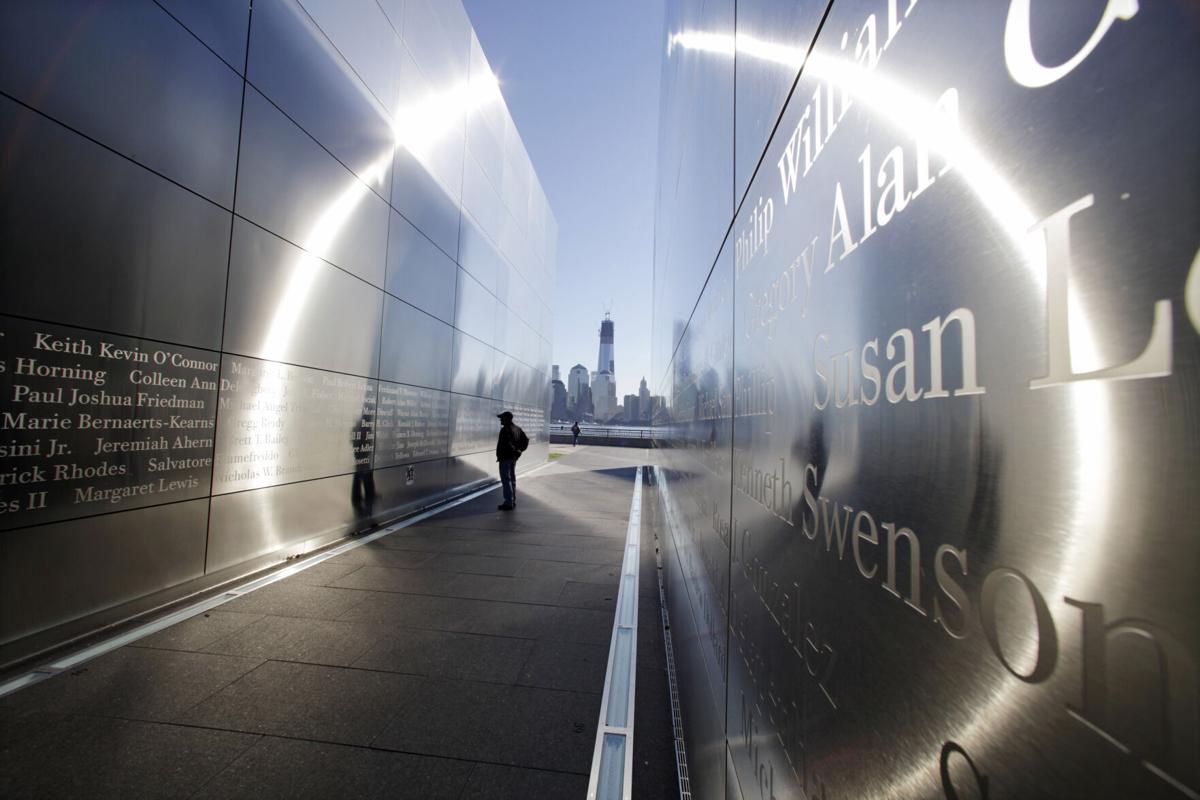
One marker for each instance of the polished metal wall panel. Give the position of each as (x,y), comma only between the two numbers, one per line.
(292,187)
(507,378)
(50,574)
(49,54)
(430,115)
(481,200)
(479,256)
(964,387)
(220,24)
(417,348)
(765,26)
(473,424)
(695,491)
(469,469)
(424,202)
(81,225)
(442,47)
(427,178)
(94,423)
(475,309)
(484,146)
(411,424)
(491,113)
(295,65)
(287,305)
(281,424)
(288,520)
(695,177)
(363,34)
(418,272)
(394,11)
(408,487)
(268,267)
(474,366)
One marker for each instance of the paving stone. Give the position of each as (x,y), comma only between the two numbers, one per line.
(655,773)
(492,782)
(315,641)
(513,725)
(301,769)
(24,734)
(513,550)
(289,599)
(394,579)
(613,542)
(448,655)
(199,631)
(589,595)
(379,555)
(324,573)
(134,683)
(420,611)
(566,665)
(528,621)
(591,573)
(499,587)
(478,564)
(306,701)
(96,757)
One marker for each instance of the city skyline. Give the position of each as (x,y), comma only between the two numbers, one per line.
(596,163)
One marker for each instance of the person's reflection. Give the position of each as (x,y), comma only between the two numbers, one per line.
(362,493)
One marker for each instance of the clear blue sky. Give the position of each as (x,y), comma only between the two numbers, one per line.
(581,80)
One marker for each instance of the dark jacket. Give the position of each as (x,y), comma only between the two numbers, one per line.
(506,443)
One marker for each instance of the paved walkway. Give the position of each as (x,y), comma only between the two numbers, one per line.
(462,657)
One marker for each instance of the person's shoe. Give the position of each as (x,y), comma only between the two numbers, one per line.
(505,507)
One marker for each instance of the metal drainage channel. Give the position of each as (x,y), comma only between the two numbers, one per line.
(681,765)
(108,645)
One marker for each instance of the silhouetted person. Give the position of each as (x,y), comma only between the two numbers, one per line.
(574,433)
(509,446)
(362,493)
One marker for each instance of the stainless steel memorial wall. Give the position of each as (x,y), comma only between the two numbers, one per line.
(927,316)
(268,275)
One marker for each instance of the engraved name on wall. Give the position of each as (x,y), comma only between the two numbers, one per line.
(280,424)
(412,424)
(93,422)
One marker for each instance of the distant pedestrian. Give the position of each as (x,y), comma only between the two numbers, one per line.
(511,442)
(574,433)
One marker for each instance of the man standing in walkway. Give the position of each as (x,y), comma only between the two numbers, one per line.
(509,446)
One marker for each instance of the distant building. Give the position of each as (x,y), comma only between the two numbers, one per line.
(558,400)
(604,395)
(577,378)
(583,408)
(644,399)
(632,408)
(658,405)
(554,376)
(605,362)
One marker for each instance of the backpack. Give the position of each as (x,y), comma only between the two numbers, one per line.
(522,441)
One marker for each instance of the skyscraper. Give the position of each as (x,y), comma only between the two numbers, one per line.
(604,396)
(605,363)
(576,378)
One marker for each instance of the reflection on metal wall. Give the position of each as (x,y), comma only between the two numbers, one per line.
(930,345)
(236,320)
